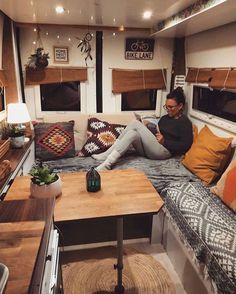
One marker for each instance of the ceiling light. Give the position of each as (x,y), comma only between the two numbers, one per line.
(121,28)
(147,14)
(60,9)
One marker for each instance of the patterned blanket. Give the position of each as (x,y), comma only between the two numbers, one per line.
(209,227)
(159,172)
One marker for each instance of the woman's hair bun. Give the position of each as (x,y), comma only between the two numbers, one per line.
(179,89)
(178,95)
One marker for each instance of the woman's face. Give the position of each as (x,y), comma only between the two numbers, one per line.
(172,108)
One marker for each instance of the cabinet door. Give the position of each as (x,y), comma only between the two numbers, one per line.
(29,161)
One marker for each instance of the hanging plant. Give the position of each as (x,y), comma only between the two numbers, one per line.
(85,46)
(39,59)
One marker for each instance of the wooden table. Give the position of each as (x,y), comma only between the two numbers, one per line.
(123,192)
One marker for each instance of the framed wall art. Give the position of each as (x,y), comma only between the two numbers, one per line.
(61,54)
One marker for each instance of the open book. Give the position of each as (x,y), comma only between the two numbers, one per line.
(150,121)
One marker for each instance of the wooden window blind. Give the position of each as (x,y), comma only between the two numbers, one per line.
(218,78)
(199,75)
(224,78)
(3,80)
(133,80)
(51,75)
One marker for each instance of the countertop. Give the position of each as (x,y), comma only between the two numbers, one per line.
(25,227)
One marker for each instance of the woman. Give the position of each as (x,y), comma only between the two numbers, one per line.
(174,135)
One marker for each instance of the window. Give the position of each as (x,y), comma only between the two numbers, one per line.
(215,102)
(60,96)
(215,107)
(139,100)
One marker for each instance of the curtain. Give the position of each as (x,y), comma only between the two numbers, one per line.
(218,78)
(224,78)
(51,75)
(133,80)
(199,75)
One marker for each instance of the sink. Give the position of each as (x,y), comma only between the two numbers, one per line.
(4,273)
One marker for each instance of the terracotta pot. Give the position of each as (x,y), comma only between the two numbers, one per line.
(51,190)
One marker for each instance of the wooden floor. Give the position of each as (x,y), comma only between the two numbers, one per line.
(155,250)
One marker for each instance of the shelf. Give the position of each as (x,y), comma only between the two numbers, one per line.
(216,16)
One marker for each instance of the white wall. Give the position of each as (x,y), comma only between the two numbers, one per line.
(212,48)
(113,57)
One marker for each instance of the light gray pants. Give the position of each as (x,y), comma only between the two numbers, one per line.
(144,142)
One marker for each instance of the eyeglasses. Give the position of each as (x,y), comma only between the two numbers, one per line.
(170,107)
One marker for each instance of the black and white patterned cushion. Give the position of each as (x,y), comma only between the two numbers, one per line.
(209,227)
(101,136)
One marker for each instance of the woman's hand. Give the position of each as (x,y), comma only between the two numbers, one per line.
(160,138)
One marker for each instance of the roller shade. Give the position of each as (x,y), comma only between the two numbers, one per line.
(55,75)
(224,78)
(3,80)
(199,75)
(133,80)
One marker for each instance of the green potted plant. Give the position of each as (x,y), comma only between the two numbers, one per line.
(38,60)
(44,182)
(17,136)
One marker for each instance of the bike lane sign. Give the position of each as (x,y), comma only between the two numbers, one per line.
(139,48)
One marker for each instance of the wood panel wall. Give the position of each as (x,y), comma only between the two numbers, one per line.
(8,63)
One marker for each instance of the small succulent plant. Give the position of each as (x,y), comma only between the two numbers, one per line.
(42,175)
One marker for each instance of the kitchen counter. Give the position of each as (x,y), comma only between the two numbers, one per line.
(25,228)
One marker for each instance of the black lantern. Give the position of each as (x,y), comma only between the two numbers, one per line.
(93,180)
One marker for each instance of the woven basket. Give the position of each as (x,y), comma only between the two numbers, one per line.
(4,147)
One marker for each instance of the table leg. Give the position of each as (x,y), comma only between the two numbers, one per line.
(119,289)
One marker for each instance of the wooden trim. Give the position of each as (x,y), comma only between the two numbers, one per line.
(8,62)
(86,27)
(55,75)
(133,80)
(3,79)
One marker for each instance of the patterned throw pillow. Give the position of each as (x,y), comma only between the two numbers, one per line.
(101,135)
(54,140)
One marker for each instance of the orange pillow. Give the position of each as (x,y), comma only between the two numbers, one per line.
(229,193)
(208,155)
(219,187)
(195,132)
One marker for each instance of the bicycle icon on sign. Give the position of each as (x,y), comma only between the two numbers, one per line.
(139,45)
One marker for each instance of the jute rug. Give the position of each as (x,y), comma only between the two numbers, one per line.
(92,271)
